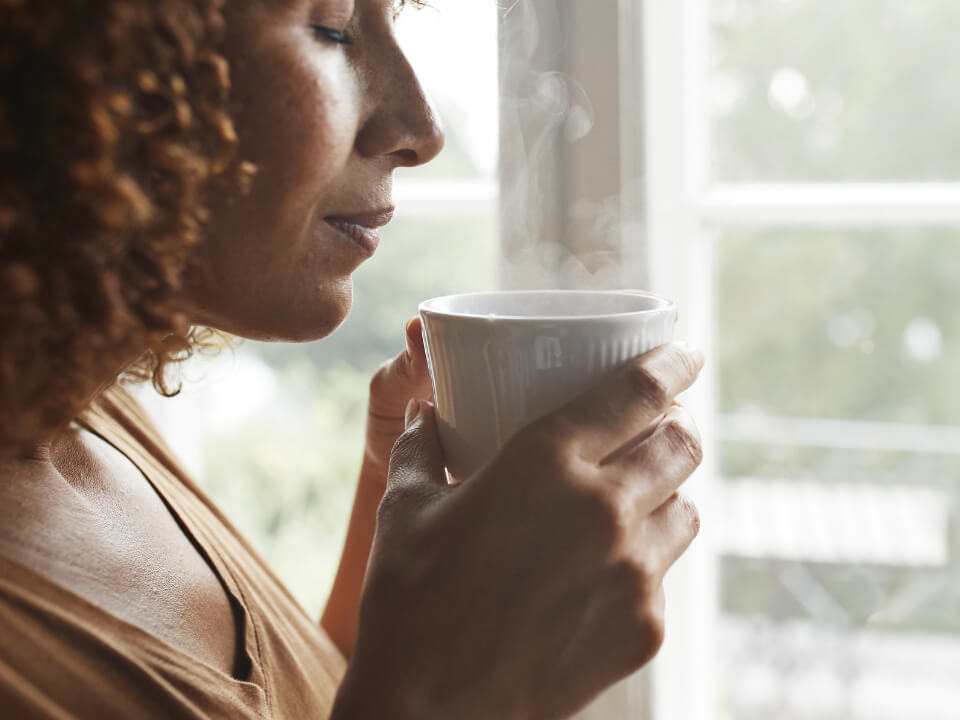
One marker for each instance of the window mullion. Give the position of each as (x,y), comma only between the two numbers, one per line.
(832,205)
(680,255)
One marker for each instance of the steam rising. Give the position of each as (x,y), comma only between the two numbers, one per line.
(555,233)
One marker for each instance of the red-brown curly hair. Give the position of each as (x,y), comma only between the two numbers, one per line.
(113,123)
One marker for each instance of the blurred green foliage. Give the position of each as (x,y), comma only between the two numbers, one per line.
(840,324)
(855,324)
(838,90)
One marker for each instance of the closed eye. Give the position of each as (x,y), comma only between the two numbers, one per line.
(331,34)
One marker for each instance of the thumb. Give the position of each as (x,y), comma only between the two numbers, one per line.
(417,459)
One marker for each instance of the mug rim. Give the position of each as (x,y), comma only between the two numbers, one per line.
(429,307)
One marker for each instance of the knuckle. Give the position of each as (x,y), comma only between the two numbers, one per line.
(636,579)
(684,441)
(402,366)
(391,502)
(540,436)
(687,512)
(644,629)
(647,383)
(553,432)
(380,377)
(550,441)
(397,494)
(684,361)
(601,504)
(649,632)
(400,499)
(408,445)
(604,516)
(402,494)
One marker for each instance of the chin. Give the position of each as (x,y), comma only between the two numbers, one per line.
(296,321)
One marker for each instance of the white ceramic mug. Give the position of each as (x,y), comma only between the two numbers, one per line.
(500,360)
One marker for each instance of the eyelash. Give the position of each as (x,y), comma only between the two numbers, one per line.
(333,35)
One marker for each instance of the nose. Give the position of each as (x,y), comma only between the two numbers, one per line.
(402,126)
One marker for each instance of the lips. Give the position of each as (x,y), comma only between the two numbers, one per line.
(363,230)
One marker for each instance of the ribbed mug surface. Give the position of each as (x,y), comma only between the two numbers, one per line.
(498,361)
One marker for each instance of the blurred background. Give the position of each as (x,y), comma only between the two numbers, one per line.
(824,147)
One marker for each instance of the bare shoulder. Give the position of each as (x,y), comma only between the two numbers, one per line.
(88,520)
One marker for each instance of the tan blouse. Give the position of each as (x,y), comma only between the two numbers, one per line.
(62,657)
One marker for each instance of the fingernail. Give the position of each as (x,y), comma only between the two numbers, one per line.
(413,409)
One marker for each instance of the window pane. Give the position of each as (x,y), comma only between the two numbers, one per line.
(840,324)
(793,670)
(452,46)
(838,90)
(838,584)
(838,545)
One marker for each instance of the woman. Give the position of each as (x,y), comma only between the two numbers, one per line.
(169,165)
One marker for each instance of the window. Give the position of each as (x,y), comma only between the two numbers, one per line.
(818,175)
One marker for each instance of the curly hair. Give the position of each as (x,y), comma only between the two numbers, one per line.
(114,123)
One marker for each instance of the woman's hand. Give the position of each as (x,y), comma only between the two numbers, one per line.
(525,591)
(393,385)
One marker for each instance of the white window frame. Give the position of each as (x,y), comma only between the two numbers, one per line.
(680,252)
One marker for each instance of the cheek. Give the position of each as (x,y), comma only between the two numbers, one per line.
(262,270)
(301,133)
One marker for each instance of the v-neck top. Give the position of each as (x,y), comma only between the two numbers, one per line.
(62,657)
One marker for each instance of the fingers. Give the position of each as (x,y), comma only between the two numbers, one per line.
(416,463)
(416,353)
(669,531)
(654,469)
(413,331)
(624,405)
(411,364)
(401,378)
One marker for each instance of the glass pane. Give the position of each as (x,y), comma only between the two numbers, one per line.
(274,431)
(845,90)
(840,324)
(453,47)
(792,670)
(839,584)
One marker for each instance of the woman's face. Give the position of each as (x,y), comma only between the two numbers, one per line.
(327,107)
